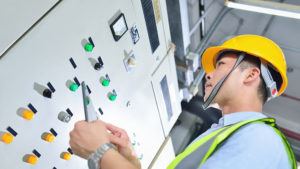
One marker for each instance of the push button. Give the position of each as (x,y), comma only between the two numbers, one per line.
(88,47)
(7,138)
(32,159)
(66,156)
(73,87)
(28,115)
(64,117)
(49,137)
(112,97)
(106,80)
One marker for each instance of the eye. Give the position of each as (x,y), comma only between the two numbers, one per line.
(220,63)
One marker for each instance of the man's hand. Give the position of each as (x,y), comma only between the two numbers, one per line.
(86,137)
(120,138)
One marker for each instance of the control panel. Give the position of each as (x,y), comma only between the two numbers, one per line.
(126,63)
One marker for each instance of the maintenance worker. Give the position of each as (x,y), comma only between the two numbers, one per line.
(242,74)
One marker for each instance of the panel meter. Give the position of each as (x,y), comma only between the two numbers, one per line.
(119,27)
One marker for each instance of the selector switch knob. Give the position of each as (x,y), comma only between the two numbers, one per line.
(64,117)
(97,66)
(47,93)
(131,61)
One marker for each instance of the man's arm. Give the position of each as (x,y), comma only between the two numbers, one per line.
(87,137)
(114,160)
(120,138)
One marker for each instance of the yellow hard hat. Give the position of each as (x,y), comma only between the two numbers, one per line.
(255,45)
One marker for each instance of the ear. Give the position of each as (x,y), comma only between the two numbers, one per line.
(252,75)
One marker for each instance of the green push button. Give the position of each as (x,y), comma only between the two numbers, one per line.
(112,97)
(87,101)
(73,87)
(88,47)
(105,82)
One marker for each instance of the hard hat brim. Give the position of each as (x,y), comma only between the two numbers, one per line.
(209,57)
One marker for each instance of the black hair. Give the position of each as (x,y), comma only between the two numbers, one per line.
(248,62)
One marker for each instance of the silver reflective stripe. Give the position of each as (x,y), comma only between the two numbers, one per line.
(193,160)
(270,83)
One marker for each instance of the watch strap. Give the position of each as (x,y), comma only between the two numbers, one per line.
(93,160)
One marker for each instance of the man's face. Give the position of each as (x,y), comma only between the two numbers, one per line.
(223,66)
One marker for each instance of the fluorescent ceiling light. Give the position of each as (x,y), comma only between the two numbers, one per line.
(261,9)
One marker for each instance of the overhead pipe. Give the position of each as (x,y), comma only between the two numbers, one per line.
(203,45)
(266,7)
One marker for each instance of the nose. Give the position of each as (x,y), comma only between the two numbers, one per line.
(208,76)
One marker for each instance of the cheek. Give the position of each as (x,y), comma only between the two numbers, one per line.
(233,82)
(218,75)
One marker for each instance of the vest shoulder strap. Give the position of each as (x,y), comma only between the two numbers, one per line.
(210,142)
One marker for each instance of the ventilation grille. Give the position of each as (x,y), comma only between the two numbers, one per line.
(150,23)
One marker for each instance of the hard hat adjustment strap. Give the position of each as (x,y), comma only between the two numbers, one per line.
(267,77)
(220,83)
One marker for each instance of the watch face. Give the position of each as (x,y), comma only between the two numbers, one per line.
(91,164)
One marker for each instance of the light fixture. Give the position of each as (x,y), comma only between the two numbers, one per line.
(272,8)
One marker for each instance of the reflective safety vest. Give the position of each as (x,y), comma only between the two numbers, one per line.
(198,152)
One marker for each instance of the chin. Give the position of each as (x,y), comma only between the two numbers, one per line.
(205,98)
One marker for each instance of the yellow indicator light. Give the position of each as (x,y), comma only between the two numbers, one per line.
(66,156)
(28,115)
(7,138)
(32,159)
(49,138)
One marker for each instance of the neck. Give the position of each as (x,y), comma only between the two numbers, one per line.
(241,105)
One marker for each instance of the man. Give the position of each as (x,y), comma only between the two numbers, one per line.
(242,74)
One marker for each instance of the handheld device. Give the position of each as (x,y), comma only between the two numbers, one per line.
(90,113)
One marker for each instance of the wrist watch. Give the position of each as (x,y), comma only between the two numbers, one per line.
(93,160)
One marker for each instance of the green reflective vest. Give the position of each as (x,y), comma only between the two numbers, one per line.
(197,153)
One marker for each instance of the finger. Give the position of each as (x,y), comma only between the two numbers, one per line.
(116,130)
(70,143)
(119,132)
(79,123)
(117,141)
(112,128)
